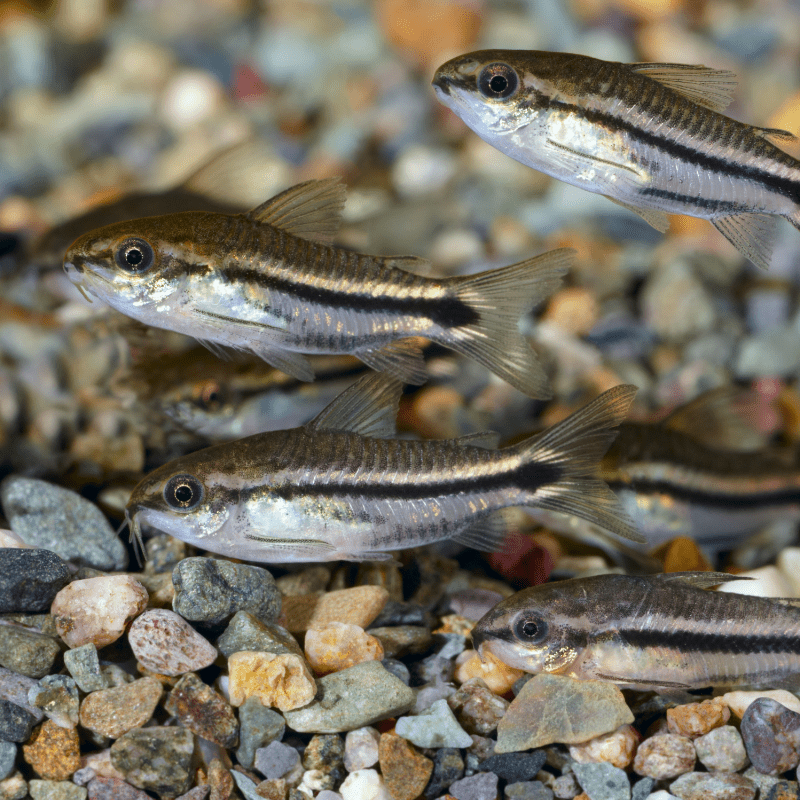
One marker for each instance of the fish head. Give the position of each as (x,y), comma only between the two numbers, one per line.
(495,92)
(540,629)
(206,406)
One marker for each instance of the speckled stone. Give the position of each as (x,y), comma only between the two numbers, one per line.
(56,790)
(113,789)
(276,759)
(355,697)
(782,790)
(528,790)
(720,786)
(258,726)
(201,710)
(358,606)
(603,781)
(30,579)
(325,754)
(565,787)
(696,719)
(771,734)
(165,643)
(284,681)
(112,712)
(665,756)
(514,767)
(53,752)
(28,653)
(721,750)
(555,708)
(246,632)
(477,709)
(434,727)
(16,723)
(642,789)
(14,787)
(448,767)
(83,664)
(405,771)
(155,759)
(212,590)
(8,757)
(57,697)
(47,516)
(482,786)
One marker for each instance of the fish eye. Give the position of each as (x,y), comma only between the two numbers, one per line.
(530,629)
(183,492)
(211,396)
(498,81)
(135,255)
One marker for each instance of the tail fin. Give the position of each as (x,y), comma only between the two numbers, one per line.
(500,297)
(567,456)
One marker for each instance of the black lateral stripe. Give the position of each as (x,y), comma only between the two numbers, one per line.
(784,186)
(736,501)
(688,641)
(725,206)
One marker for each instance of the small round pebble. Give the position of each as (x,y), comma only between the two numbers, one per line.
(602,781)
(721,750)
(361,749)
(565,787)
(477,708)
(113,789)
(364,784)
(482,786)
(719,786)
(435,727)
(740,701)
(528,790)
(664,756)
(56,790)
(16,723)
(357,606)
(8,755)
(30,579)
(405,771)
(83,664)
(281,681)
(696,719)
(165,643)
(499,677)
(448,767)
(27,652)
(276,759)
(53,752)
(112,712)
(616,748)
(245,632)
(339,645)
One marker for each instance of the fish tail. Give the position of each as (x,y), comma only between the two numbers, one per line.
(560,466)
(497,299)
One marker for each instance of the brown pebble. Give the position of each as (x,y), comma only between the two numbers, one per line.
(275,789)
(53,752)
(697,719)
(220,781)
(112,712)
(357,606)
(664,756)
(682,554)
(406,772)
(204,712)
(114,789)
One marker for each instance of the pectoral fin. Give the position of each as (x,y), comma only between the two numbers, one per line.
(657,219)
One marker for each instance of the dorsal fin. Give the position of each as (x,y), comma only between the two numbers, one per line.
(701,580)
(486,440)
(312,210)
(710,88)
(777,134)
(368,407)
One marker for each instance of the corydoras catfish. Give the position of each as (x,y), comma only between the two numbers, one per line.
(270,282)
(648,136)
(646,632)
(341,488)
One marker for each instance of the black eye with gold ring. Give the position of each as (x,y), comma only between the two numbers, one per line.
(183,492)
(530,629)
(498,81)
(135,255)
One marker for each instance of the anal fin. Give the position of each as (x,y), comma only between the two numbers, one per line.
(486,535)
(294,364)
(653,217)
(402,359)
(751,234)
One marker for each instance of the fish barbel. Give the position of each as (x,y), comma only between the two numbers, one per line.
(646,632)
(647,136)
(340,488)
(270,282)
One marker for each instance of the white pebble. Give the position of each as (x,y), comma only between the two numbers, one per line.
(190,98)
(361,749)
(365,784)
(789,564)
(738,702)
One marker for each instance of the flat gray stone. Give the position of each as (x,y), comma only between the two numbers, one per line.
(8,756)
(437,726)
(16,723)
(258,726)
(26,652)
(603,781)
(352,698)
(30,579)
(155,759)
(276,759)
(246,632)
(83,664)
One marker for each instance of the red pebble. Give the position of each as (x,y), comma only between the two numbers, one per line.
(522,562)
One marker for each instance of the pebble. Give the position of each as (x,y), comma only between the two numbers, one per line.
(97,610)
(30,579)
(528,790)
(739,701)
(17,688)
(405,771)
(437,726)
(696,719)
(112,712)
(57,519)
(603,781)
(165,643)
(617,748)
(358,696)
(365,784)
(155,759)
(198,708)
(325,754)
(56,790)
(357,606)
(398,669)
(8,755)
(499,677)
(477,708)
(246,632)
(53,752)
(448,767)
(665,756)
(16,723)
(212,590)
(113,789)
(57,696)
(13,788)
(515,767)
(276,759)
(308,581)
(771,735)
(783,790)
(642,789)
(565,787)
(721,750)
(402,640)
(339,645)
(555,708)
(258,726)
(719,786)
(84,666)
(361,748)
(26,652)
(482,786)
(282,681)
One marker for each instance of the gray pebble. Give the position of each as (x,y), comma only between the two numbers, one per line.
(718,786)
(398,669)
(448,767)
(163,553)
(435,727)
(771,734)
(721,750)
(15,687)
(642,788)
(8,755)
(57,519)
(246,786)
(155,759)
(30,579)
(482,786)
(84,666)
(276,759)
(782,790)
(57,696)
(26,652)
(212,590)
(16,723)
(258,726)
(603,781)
(565,787)
(515,767)
(56,790)
(246,632)
(528,790)
(396,612)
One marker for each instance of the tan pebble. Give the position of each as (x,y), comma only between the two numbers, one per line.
(10,539)
(97,610)
(281,681)
(274,789)
(455,623)
(220,781)
(616,748)
(650,10)
(112,712)
(573,310)
(739,701)
(53,752)
(665,756)
(337,646)
(165,643)
(405,771)
(380,573)
(495,674)
(101,764)
(308,581)
(357,606)
(696,719)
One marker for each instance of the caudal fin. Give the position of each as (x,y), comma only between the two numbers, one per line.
(499,298)
(560,465)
